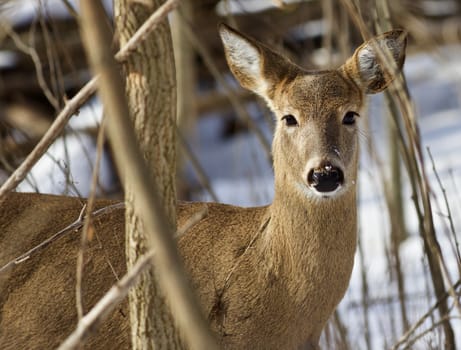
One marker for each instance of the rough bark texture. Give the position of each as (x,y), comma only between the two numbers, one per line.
(150,87)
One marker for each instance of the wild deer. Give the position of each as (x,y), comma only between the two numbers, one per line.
(267,277)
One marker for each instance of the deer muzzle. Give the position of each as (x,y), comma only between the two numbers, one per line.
(325,178)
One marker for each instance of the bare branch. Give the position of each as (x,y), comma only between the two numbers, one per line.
(447,205)
(88,221)
(30,51)
(203,178)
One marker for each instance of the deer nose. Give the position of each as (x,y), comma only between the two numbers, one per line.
(325,178)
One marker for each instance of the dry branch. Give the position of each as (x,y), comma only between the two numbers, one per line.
(131,165)
(203,178)
(431,329)
(449,214)
(30,51)
(423,318)
(88,221)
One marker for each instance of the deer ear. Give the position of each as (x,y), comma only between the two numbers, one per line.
(365,67)
(255,66)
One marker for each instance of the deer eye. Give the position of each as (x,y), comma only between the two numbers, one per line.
(290,120)
(349,118)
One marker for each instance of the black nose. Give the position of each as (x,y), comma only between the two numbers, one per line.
(325,178)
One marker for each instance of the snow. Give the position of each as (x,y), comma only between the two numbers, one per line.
(226,7)
(23,12)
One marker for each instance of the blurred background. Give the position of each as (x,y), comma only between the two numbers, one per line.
(404,293)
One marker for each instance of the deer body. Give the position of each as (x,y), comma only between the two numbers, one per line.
(275,277)
(267,277)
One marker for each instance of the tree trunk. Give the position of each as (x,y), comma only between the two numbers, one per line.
(151,93)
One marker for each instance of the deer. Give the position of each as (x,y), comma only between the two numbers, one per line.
(266,277)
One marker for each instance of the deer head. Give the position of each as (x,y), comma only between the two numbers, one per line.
(315,144)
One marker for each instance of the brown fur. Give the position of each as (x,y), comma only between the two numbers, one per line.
(267,277)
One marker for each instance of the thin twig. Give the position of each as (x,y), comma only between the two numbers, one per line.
(78,223)
(342,330)
(447,205)
(71,9)
(365,295)
(404,338)
(88,221)
(247,248)
(50,50)
(30,51)
(433,326)
(203,178)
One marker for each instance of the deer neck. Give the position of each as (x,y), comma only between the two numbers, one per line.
(311,239)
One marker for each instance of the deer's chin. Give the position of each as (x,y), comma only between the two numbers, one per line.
(330,194)
(312,193)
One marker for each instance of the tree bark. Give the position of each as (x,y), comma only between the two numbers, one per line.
(151,93)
